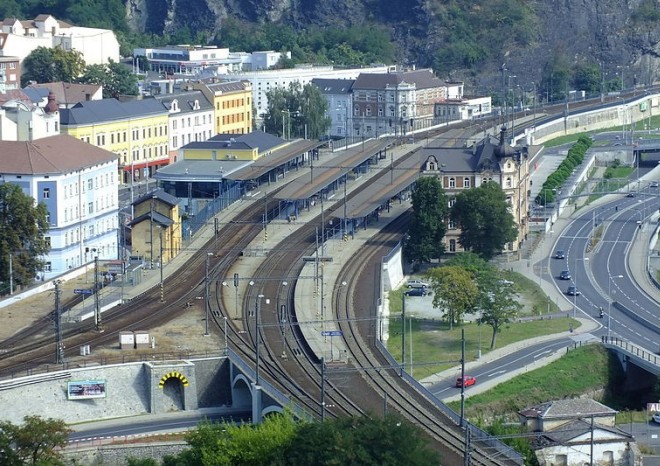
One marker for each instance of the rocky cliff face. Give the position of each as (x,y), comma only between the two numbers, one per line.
(623,35)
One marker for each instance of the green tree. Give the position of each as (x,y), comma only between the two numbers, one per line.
(45,65)
(116,79)
(36,441)
(454,291)
(22,229)
(497,301)
(587,77)
(486,224)
(430,208)
(297,110)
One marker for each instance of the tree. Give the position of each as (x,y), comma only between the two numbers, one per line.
(46,65)
(297,110)
(497,301)
(587,77)
(34,442)
(116,79)
(485,220)
(454,290)
(429,202)
(22,229)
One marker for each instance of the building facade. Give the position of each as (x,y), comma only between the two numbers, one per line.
(337,93)
(465,108)
(191,119)
(10,73)
(490,160)
(137,131)
(232,105)
(22,121)
(77,182)
(20,38)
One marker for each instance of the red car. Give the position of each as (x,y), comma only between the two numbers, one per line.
(466,381)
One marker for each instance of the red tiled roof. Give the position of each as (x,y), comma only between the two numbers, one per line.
(52,155)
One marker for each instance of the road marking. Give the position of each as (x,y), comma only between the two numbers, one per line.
(541,354)
(496,373)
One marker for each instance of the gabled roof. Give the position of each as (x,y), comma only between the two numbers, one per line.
(97,111)
(333,86)
(68,93)
(160,195)
(228,86)
(422,79)
(157,217)
(569,432)
(568,408)
(52,155)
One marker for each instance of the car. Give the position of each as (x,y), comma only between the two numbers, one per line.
(466,381)
(656,418)
(565,275)
(560,254)
(417,284)
(654,184)
(416,292)
(573,291)
(630,194)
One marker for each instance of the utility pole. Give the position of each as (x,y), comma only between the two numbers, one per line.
(97,297)
(322,389)
(59,343)
(162,290)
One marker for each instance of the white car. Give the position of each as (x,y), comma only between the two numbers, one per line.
(417,284)
(656,418)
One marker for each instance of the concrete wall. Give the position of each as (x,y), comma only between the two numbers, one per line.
(131,389)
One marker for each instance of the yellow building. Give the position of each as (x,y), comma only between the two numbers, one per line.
(156,227)
(226,147)
(136,130)
(232,105)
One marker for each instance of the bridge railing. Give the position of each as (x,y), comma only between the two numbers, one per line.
(633,349)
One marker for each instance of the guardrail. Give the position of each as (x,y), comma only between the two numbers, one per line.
(633,349)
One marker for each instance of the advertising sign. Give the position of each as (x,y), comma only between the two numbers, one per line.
(85,389)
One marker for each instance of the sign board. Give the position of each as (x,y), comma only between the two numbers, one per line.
(85,291)
(332,333)
(86,389)
(653,407)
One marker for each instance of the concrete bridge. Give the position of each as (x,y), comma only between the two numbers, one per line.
(641,366)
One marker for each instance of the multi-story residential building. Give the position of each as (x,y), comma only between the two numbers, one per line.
(337,93)
(136,131)
(68,94)
(395,102)
(191,119)
(193,60)
(22,121)
(20,38)
(77,183)
(488,160)
(264,81)
(10,73)
(232,105)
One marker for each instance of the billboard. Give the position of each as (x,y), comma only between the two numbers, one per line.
(85,389)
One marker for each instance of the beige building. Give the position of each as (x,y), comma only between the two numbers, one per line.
(156,227)
(488,160)
(232,105)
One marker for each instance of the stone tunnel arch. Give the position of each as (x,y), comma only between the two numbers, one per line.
(241,392)
(173,385)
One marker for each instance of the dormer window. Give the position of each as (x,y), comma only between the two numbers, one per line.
(196,105)
(175,106)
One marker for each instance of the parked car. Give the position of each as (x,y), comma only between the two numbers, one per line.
(466,381)
(416,292)
(654,184)
(573,291)
(656,418)
(417,284)
(630,194)
(560,254)
(565,275)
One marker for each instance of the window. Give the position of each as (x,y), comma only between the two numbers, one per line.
(451,225)
(452,245)
(90,184)
(46,193)
(48,267)
(508,182)
(90,208)
(452,182)
(47,241)
(466,182)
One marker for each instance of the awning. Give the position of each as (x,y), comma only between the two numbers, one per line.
(152,163)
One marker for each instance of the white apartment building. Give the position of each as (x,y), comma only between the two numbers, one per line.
(190,119)
(20,38)
(264,81)
(22,121)
(78,184)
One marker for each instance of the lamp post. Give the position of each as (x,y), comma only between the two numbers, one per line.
(283,321)
(584,259)
(411,343)
(609,302)
(162,288)
(206,294)
(512,98)
(256,339)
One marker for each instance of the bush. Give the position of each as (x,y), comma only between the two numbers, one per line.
(574,158)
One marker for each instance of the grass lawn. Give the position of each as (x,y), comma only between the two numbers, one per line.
(587,369)
(436,348)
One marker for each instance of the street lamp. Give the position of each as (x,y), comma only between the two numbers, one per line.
(609,302)
(584,259)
